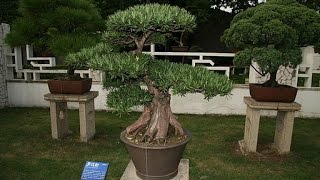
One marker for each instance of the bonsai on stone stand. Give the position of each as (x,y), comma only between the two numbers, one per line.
(271,35)
(156,140)
(57,28)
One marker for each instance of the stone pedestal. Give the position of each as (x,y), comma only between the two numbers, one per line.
(183,171)
(4,30)
(284,124)
(59,114)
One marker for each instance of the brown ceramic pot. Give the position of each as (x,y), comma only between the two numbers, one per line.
(283,93)
(155,162)
(57,86)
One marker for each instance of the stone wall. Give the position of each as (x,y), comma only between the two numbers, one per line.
(4,29)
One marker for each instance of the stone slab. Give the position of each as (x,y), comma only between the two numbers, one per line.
(71,97)
(183,171)
(271,105)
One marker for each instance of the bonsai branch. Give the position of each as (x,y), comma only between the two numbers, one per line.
(255,69)
(141,123)
(140,42)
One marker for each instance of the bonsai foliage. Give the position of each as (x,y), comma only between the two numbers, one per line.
(136,79)
(56,27)
(271,34)
(136,24)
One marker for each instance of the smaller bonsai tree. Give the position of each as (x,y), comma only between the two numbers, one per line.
(56,28)
(271,35)
(127,71)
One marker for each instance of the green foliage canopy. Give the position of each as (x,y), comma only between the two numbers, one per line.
(183,78)
(154,17)
(138,23)
(56,26)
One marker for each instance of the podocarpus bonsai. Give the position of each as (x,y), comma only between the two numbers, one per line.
(271,35)
(125,71)
(137,79)
(56,28)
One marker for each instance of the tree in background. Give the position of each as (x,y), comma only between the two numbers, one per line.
(313,4)
(8,11)
(56,27)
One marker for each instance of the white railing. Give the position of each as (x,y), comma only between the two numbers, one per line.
(202,58)
(41,65)
(40,62)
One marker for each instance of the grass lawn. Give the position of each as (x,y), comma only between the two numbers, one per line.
(27,150)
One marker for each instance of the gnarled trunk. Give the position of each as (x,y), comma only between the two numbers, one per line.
(272,82)
(156,118)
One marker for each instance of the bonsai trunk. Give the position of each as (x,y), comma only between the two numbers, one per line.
(156,118)
(71,75)
(70,71)
(272,82)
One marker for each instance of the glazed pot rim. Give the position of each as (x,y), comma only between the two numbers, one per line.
(57,79)
(280,86)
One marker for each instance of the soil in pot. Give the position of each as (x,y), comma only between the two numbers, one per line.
(283,93)
(156,161)
(64,86)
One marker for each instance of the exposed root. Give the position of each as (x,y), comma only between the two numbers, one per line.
(141,123)
(178,130)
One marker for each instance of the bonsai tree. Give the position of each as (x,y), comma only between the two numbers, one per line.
(271,35)
(126,71)
(56,28)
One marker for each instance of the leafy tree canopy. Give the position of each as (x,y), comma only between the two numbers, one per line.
(156,17)
(8,11)
(58,26)
(138,23)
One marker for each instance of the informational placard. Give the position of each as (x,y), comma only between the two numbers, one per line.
(95,171)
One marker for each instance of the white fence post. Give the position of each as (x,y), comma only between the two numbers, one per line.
(306,67)
(4,29)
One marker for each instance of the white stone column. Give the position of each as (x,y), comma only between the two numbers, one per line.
(4,29)
(251,129)
(283,132)
(87,120)
(59,119)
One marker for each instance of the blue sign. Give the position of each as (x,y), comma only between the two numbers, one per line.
(95,171)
